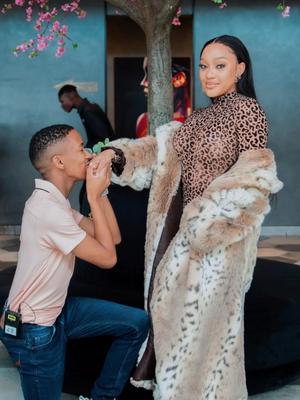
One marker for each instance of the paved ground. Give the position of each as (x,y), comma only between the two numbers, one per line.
(286,249)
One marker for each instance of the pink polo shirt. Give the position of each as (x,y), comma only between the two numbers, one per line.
(49,233)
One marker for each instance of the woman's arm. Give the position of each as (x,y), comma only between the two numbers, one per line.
(141,157)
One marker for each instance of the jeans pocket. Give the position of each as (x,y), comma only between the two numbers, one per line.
(40,337)
(14,347)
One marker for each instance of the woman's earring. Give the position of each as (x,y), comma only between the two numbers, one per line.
(237,78)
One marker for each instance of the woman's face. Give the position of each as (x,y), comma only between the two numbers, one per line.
(219,70)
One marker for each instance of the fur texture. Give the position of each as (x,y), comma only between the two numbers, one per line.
(200,284)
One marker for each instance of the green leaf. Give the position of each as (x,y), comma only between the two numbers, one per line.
(97,148)
(75,45)
(280,7)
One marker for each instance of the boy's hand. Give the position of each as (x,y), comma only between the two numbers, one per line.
(98,176)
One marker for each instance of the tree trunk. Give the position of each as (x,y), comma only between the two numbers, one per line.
(160,91)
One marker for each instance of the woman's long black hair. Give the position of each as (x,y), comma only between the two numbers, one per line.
(245,85)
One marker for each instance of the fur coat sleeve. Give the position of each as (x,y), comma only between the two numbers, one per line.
(140,157)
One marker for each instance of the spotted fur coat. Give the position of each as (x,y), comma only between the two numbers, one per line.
(199,286)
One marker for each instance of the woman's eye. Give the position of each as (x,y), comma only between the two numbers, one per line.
(220,66)
(202,66)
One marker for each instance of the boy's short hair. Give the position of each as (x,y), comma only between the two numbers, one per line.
(42,139)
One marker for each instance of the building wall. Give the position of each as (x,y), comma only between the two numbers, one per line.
(28,97)
(273,43)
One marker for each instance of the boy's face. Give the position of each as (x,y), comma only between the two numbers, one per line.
(74,156)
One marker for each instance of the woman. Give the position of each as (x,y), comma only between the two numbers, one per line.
(210,182)
(211,140)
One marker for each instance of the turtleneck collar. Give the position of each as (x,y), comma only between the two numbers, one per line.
(225,97)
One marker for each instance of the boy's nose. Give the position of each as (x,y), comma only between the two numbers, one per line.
(88,153)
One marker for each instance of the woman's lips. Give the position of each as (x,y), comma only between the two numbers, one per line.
(211,85)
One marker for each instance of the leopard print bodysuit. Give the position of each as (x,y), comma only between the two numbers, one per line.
(211,139)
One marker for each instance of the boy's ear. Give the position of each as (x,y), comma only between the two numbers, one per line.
(58,162)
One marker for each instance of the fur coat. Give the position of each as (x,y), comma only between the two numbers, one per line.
(198,287)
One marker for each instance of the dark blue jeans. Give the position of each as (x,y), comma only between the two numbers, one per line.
(39,351)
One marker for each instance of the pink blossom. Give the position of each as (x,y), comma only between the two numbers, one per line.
(50,37)
(19,2)
(23,47)
(223,5)
(42,46)
(41,43)
(74,4)
(45,17)
(38,25)
(29,13)
(176,21)
(65,7)
(286,12)
(82,14)
(64,30)
(59,51)
(70,6)
(56,26)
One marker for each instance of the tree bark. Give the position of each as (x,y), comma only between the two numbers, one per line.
(155,18)
(160,90)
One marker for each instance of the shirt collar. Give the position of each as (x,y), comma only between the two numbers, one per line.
(47,186)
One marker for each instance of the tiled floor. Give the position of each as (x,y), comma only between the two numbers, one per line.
(286,249)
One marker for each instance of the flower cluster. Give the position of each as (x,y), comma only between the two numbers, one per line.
(49,27)
(220,3)
(47,24)
(176,21)
(282,7)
